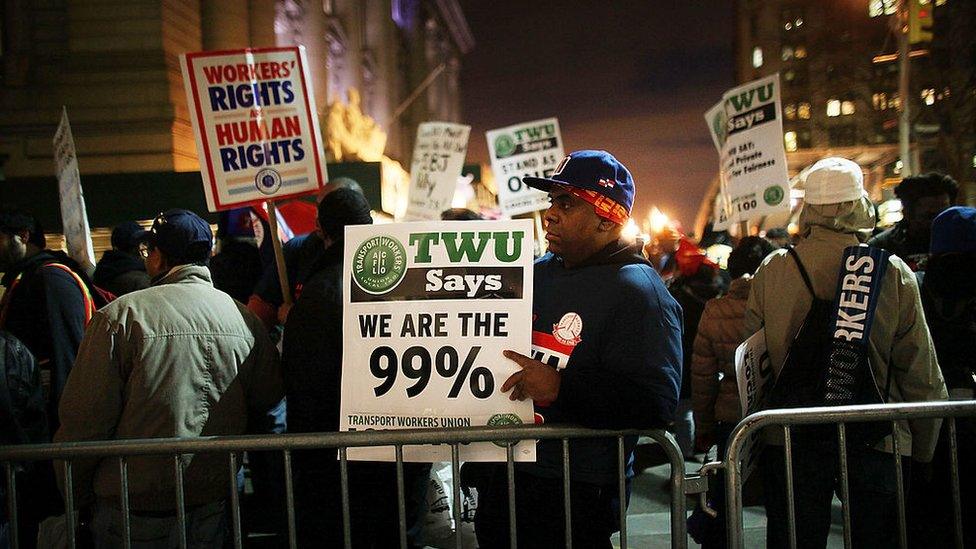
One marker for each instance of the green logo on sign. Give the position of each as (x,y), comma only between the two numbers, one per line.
(500,420)
(379,264)
(504,145)
(773,195)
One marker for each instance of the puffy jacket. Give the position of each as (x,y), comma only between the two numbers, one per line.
(720,331)
(178,359)
(899,344)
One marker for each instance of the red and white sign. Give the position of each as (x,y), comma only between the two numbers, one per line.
(256,125)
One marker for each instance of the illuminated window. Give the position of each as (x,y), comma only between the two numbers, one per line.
(798,22)
(800,52)
(877,8)
(788,25)
(928,96)
(790,111)
(803,111)
(880,101)
(789,139)
(787,53)
(833,107)
(757,57)
(846,107)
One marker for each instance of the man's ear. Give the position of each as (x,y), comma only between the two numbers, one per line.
(606,225)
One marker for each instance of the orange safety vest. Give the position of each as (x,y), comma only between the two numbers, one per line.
(86,296)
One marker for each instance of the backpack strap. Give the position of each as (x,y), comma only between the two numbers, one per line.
(803,270)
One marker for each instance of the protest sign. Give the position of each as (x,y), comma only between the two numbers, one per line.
(428,309)
(256,125)
(74,216)
(438,157)
(747,129)
(528,149)
(754,377)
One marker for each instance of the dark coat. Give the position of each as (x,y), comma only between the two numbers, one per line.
(121,273)
(46,311)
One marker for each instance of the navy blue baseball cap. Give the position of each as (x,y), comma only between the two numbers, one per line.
(183,236)
(599,176)
(954,231)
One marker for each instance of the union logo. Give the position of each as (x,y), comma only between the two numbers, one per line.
(567,331)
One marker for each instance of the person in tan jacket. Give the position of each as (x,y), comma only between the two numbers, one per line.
(178,359)
(837,213)
(714,394)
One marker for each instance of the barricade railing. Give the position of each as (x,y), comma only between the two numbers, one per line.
(743,434)
(121,450)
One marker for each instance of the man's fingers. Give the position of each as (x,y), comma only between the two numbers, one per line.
(518,358)
(512,381)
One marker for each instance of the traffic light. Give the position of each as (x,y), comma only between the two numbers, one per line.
(920,21)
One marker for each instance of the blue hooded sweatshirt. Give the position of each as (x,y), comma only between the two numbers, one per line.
(614,332)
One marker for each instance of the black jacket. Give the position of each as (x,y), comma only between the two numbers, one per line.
(311,361)
(121,273)
(46,311)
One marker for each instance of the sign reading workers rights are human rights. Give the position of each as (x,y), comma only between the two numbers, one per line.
(256,126)
(428,309)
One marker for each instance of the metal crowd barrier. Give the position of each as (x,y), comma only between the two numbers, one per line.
(841,416)
(175,447)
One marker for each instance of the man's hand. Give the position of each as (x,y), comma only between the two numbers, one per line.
(536,380)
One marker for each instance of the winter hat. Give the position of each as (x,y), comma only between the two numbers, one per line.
(183,236)
(596,177)
(832,181)
(342,207)
(954,230)
(127,236)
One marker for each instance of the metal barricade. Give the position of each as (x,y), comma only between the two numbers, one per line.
(120,450)
(841,416)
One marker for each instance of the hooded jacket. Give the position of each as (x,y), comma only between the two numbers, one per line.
(45,308)
(178,359)
(121,273)
(900,344)
(719,333)
(614,332)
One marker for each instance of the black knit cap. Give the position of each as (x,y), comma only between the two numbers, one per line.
(342,207)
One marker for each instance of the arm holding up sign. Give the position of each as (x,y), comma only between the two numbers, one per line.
(629,381)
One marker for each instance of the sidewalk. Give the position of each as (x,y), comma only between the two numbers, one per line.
(649,514)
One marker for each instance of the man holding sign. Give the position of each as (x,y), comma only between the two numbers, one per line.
(606,353)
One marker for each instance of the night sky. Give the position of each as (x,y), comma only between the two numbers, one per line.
(631,77)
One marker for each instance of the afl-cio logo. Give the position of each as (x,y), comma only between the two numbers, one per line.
(267,181)
(379,264)
(503,420)
(773,195)
(504,145)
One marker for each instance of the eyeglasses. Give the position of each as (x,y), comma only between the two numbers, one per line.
(144,250)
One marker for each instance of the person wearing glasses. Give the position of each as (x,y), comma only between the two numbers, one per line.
(178,359)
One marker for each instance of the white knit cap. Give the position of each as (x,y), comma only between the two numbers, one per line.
(833,180)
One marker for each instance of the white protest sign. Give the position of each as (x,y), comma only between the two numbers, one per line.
(428,309)
(747,128)
(754,377)
(528,149)
(438,158)
(256,125)
(74,216)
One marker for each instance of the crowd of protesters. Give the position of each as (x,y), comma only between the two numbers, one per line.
(169,339)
